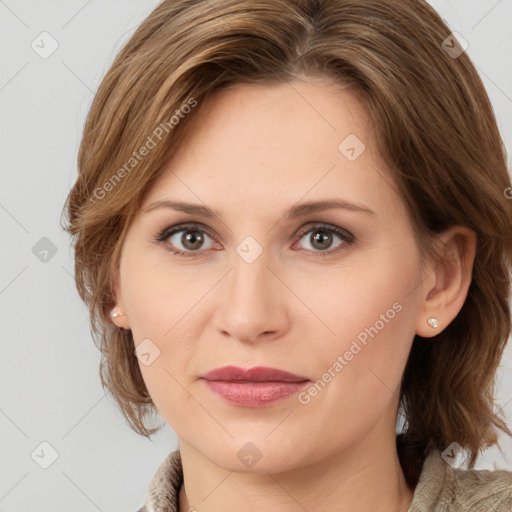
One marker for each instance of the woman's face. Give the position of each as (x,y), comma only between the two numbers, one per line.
(330,295)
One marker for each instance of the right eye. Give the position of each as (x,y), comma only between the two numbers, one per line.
(190,237)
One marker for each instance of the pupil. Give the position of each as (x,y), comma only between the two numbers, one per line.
(319,238)
(194,238)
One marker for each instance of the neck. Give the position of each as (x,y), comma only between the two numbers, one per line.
(364,476)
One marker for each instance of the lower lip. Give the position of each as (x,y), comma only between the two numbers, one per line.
(254,394)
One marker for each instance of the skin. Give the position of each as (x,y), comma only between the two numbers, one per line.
(251,154)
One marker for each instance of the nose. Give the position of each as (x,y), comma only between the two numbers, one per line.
(252,302)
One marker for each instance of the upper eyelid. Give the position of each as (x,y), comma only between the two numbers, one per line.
(176,228)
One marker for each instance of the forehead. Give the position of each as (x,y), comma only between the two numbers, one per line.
(281,116)
(273,145)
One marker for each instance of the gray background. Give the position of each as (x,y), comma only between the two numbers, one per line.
(50,389)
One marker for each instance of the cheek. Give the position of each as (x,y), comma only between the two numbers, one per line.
(156,294)
(162,304)
(370,315)
(376,292)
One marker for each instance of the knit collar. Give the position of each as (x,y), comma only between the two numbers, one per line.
(163,491)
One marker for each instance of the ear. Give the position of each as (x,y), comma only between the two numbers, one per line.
(446,289)
(122,319)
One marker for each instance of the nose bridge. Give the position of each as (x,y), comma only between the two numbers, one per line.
(252,305)
(249,275)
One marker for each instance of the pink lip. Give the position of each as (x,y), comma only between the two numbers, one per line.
(256,374)
(254,387)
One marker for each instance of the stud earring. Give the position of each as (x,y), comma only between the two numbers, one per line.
(432,322)
(115,314)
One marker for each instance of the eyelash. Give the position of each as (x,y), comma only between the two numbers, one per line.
(344,235)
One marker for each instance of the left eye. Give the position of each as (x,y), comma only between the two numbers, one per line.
(321,237)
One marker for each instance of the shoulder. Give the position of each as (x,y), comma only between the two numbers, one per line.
(444,488)
(483,489)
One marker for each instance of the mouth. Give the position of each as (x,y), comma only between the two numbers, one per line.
(253,387)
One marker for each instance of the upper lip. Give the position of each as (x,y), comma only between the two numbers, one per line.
(256,374)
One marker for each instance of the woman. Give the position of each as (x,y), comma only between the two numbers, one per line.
(292,229)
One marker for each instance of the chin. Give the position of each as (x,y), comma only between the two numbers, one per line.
(260,456)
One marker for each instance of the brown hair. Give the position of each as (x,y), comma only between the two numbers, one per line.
(435,128)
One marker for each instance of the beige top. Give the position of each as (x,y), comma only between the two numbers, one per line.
(440,488)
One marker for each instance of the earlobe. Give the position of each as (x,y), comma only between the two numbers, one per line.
(119,318)
(117,313)
(444,298)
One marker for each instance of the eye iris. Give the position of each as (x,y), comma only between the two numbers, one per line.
(194,237)
(321,237)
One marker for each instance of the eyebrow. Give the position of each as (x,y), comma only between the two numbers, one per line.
(299,210)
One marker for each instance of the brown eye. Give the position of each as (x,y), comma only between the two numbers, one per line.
(192,240)
(186,239)
(321,238)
